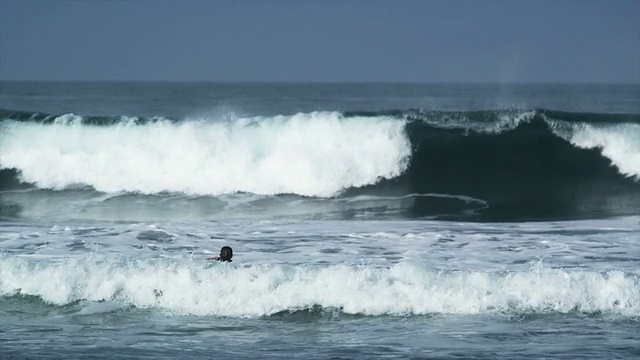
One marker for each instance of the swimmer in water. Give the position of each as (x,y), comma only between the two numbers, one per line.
(226,253)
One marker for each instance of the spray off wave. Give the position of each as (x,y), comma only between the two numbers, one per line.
(256,291)
(316,154)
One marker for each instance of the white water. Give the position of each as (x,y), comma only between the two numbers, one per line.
(507,120)
(225,290)
(619,143)
(372,268)
(315,154)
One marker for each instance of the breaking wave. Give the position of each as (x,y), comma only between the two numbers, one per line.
(190,287)
(521,164)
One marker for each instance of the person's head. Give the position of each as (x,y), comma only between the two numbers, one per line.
(226,253)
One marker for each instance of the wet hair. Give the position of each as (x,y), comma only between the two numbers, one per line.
(226,253)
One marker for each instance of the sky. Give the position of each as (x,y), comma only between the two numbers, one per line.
(321,41)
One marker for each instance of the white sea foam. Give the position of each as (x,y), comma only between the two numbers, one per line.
(314,154)
(507,120)
(185,287)
(619,143)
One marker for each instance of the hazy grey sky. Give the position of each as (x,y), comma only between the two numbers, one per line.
(405,41)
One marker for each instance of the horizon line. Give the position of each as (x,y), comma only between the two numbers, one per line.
(322,82)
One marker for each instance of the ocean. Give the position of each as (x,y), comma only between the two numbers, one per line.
(367,220)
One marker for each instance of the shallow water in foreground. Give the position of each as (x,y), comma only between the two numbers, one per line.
(351,289)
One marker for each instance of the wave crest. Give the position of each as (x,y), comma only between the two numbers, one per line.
(316,154)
